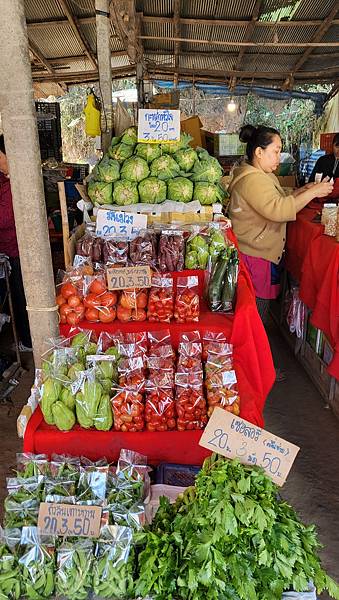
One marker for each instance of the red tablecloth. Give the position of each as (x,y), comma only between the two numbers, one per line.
(313,259)
(255,371)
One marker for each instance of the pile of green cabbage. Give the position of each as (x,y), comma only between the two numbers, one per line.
(152,173)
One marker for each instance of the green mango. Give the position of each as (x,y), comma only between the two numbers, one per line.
(103,420)
(64,417)
(67,398)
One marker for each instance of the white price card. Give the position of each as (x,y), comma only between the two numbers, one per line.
(158,125)
(69,520)
(126,278)
(234,437)
(115,223)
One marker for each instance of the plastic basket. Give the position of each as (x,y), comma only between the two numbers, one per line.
(172,474)
(71,191)
(49,128)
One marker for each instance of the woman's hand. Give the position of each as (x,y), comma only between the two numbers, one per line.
(323,189)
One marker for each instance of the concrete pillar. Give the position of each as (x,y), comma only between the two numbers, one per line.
(23,153)
(103,24)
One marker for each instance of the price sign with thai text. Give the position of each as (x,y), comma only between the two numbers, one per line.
(120,224)
(69,520)
(124,278)
(234,437)
(158,125)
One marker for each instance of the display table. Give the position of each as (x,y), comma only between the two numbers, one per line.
(253,365)
(313,260)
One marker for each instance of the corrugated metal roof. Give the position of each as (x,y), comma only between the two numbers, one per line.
(332,35)
(89,30)
(268,63)
(54,41)
(120,61)
(314,10)
(40,10)
(286,35)
(160,60)
(162,30)
(82,64)
(206,62)
(157,8)
(82,8)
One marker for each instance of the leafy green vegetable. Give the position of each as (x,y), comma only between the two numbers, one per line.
(125,192)
(100,192)
(180,189)
(186,159)
(148,152)
(165,167)
(120,152)
(107,170)
(135,169)
(229,537)
(152,190)
(207,193)
(185,139)
(208,169)
(130,136)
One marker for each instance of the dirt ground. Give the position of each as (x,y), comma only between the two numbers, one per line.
(294,410)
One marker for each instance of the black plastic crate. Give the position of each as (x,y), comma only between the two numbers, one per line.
(49,129)
(172,474)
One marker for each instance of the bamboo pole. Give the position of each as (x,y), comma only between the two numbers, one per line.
(22,148)
(64,221)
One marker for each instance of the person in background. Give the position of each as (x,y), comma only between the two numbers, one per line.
(328,165)
(9,246)
(260,209)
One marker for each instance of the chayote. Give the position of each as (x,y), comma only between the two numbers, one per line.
(67,398)
(64,417)
(50,393)
(82,416)
(103,420)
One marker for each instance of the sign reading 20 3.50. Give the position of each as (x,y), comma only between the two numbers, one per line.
(158,125)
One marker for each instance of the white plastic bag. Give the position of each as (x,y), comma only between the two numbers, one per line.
(310,595)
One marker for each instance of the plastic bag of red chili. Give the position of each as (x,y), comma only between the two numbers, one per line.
(190,403)
(210,340)
(171,251)
(115,252)
(160,300)
(187,307)
(128,410)
(159,408)
(143,249)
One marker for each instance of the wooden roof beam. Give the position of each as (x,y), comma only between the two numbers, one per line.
(176,24)
(326,24)
(247,38)
(124,19)
(245,44)
(38,54)
(83,76)
(72,20)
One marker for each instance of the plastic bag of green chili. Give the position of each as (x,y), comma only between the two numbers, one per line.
(62,465)
(74,569)
(9,569)
(114,564)
(31,465)
(37,564)
(22,503)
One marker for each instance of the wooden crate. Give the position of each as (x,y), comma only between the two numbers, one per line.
(317,371)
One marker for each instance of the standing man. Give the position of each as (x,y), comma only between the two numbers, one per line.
(9,246)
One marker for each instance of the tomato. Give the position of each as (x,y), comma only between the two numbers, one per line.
(80,311)
(186,306)
(72,318)
(139,315)
(97,286)
(92,301)
(65,310)
(141,300)
(68,289)
(107,314)
(74,301)
(108,299)
(60,300)
(92,315)
(124,314)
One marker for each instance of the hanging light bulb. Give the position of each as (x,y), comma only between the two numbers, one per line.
(231,106)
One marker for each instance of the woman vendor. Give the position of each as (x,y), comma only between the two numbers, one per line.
(328,165)
(260,209)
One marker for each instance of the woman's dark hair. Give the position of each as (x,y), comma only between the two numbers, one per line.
(336,139)
(256,137)
(2,144)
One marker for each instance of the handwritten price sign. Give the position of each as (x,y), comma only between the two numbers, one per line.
(124,278)
(69,520)
(115,223)
(158,125)
(234,437)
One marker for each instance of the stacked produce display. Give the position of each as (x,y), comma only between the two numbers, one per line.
(229,536)
(84,294)
(151,173)
(132,382)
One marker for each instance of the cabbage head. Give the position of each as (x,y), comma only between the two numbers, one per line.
(165,167)
(207,193)
(120,152)
(100,192)
(125,192)
(207,170)
(185,139)
(148,151)
(186,159)
(107,170)
(130,136)
(180,189)
(135,169)
(152,190)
